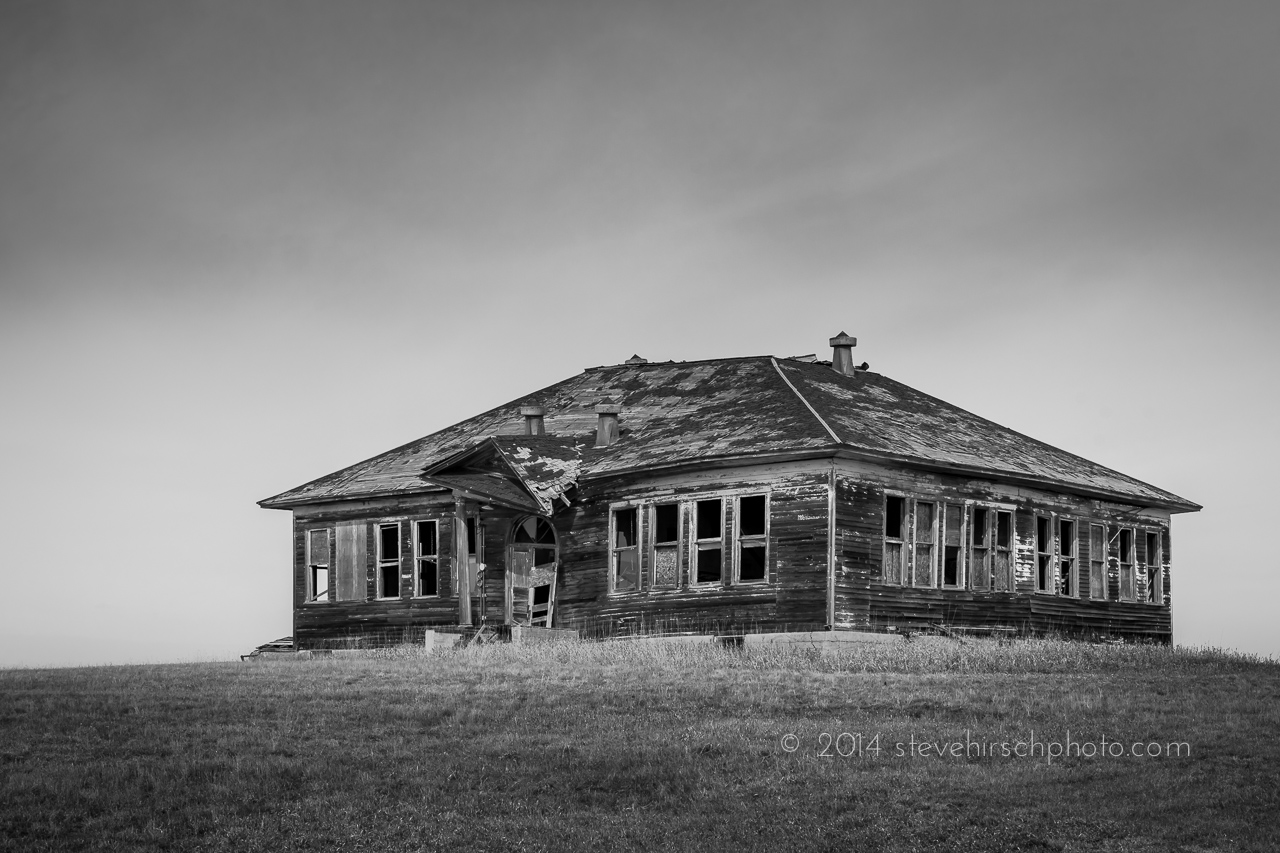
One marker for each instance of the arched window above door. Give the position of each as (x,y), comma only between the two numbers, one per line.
(536,536)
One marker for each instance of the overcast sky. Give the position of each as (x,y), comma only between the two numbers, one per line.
(244,244)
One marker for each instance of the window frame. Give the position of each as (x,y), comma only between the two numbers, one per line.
(1046,562)
(614,550)
(1132,564)
(419,557)
(961,561)
(932,544)
(311,594)
(383,563)
(1158,565)
(901,540)
(653,544)
(1073,557)
(700,543)
(756,541)
(1099,559)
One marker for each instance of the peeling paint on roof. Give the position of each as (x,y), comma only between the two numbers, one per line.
(678,413)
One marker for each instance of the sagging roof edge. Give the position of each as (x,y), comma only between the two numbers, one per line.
(1180,506)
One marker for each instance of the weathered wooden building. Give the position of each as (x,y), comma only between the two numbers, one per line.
(729,495)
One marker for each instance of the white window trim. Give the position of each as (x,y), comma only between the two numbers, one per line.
(761,538)
(418,557)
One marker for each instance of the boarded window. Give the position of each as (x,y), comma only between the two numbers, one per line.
(709,530)
(318,564)
(666,546)
(349,557)
(980,548)
(626,550)
(1097,562)
(752,540)
(952,531)
(1125,552)
(1155,564)
(925,538)
(894,538)
(426,559)
(1044,554)
(389,560)
(1066,557)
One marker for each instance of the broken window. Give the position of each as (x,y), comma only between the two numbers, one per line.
(752,518)
(1125,554)
(895,516)
(1044,554)
(925,536)
(666,545)
(426,559)
(1097,562)
(709,538)
(389,560)
(1155,563)
(1002,573)
(318,564)
(952,537)
(626,550)
(1066,557)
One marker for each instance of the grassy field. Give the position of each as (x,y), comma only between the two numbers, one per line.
(642,746)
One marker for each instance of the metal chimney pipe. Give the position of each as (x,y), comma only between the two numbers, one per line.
(842,353)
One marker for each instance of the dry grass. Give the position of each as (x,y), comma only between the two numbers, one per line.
(643,746)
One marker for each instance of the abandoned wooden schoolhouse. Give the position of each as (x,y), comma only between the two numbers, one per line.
(729,496)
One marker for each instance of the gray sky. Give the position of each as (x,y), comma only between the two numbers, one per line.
(243,244)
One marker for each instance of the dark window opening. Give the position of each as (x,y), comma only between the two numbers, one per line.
(1127,591)
(428,579)
(666,524)
(752,515)
(1155,583)
(1004,529)
(709,565)
(894,513)
(752,567)
(389,560)
(1066,557)
(709,518)
(951,545)
(1044,554)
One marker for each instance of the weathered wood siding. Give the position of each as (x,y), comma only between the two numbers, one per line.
(792,597)
(865,600)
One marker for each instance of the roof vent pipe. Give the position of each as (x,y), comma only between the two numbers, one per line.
(533,424)
(842,354)
(607,425)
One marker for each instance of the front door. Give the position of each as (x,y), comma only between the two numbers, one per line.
(531,573)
